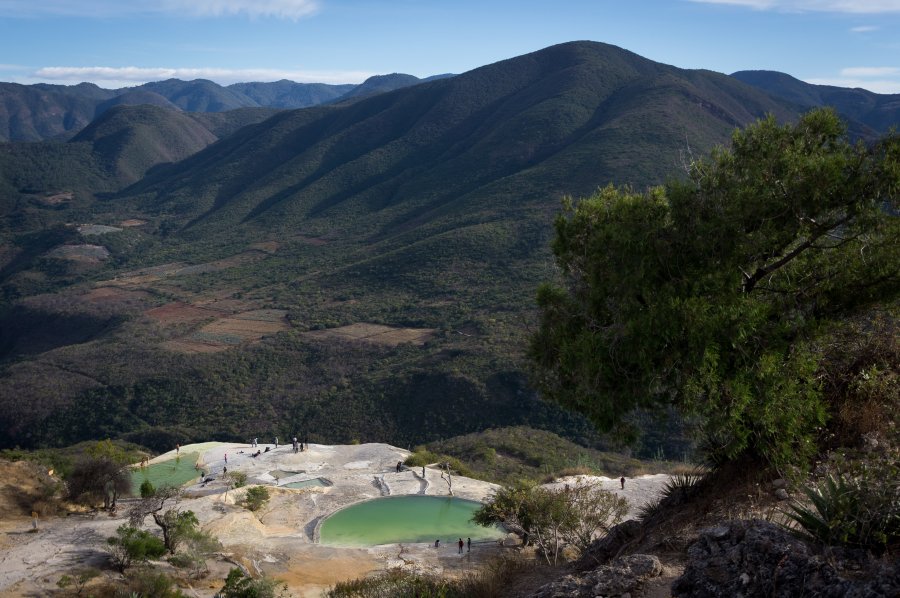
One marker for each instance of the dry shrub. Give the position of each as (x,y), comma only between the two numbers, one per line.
(47,507)
(684,469)
(860,371)
(495,577)
(570,472)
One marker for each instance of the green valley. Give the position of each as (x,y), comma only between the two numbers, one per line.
(358,271)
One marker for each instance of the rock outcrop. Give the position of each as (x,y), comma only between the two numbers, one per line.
(623,576)
(757,558)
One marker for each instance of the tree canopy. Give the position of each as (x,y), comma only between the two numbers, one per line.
(709,293)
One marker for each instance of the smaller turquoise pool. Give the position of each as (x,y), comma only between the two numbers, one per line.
(405,519)
(313,483)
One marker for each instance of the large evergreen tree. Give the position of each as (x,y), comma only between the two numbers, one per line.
(709,293)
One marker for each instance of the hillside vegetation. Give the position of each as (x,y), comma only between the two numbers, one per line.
(424,209)
(507,455)
(875,112)
(43,112)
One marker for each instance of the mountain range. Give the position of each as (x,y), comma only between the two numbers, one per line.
(42,111)
(876,112)
(363,269)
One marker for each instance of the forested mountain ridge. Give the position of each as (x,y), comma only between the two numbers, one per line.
(364,270)
(403,157)
(879,112)
(42,112)
(113,151)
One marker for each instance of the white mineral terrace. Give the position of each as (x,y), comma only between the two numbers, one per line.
(281,539)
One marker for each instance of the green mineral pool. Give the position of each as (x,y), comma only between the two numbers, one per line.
(174,472)
(405,519)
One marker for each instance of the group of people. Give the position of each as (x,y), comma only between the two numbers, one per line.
(460,544)
(297,445)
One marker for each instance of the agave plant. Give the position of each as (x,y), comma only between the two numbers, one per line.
(861,511)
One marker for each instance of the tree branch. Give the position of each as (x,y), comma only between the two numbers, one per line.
(750,281)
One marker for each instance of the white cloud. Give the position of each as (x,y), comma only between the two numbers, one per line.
(285,9)
(864,29)
(282,9)
(106,76)
(875,85)
(880,79)
(841,6)
(871,71)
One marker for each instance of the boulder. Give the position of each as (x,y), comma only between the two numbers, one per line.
(758,558)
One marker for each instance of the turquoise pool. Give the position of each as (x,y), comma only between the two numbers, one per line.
(174,472)
(405,519)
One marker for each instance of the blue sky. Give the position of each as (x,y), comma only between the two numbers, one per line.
(116,43)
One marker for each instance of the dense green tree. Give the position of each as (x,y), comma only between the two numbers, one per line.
(256,497)
(177,526)
(709,293)
(553,518)
(239,585)
(131,545)
(147,489)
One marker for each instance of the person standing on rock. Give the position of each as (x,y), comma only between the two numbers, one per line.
(276,442)
(622,481)
(460,544)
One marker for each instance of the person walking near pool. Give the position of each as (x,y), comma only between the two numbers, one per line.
(460,544)
(469,542)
